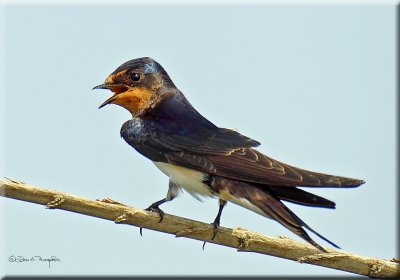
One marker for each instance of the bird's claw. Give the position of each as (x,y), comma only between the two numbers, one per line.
(156,209)
(153,208)
(215,231)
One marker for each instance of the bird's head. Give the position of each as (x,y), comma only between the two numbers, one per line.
(137,85)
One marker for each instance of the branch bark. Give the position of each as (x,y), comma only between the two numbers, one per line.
(241,239)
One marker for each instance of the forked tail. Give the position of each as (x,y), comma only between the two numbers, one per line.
(265,200)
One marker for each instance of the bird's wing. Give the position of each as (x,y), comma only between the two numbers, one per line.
(201,141)
(247,164)
(227,153)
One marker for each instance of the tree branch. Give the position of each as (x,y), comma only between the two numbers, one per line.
(238,238)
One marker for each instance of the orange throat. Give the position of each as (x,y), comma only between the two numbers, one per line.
(134,100)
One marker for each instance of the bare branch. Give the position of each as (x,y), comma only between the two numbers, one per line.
(241,239)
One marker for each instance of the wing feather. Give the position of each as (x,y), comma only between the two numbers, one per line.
(264,170)
(219,151)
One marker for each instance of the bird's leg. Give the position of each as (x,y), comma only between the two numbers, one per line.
(217,220)
(172,193)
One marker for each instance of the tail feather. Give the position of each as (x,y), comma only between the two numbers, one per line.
(265,202)
(298,196)
(275,209)
(310,229)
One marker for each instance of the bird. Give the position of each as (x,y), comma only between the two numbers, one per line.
(206,160)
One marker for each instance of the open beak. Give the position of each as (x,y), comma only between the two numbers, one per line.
(116,88)
(102,86)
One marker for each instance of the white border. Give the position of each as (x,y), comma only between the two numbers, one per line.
(199,2)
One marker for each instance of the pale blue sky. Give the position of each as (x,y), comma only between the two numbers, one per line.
(315,85)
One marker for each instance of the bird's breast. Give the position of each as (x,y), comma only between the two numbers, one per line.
(134,131)
(190,180)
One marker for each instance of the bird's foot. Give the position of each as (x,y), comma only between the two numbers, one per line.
(154,208)
(215,231)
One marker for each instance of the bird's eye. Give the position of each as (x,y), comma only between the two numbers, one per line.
(135,77)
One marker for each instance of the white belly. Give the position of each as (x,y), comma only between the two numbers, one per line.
(192,181)
(188,179)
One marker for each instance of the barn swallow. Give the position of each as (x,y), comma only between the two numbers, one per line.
(206,160)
